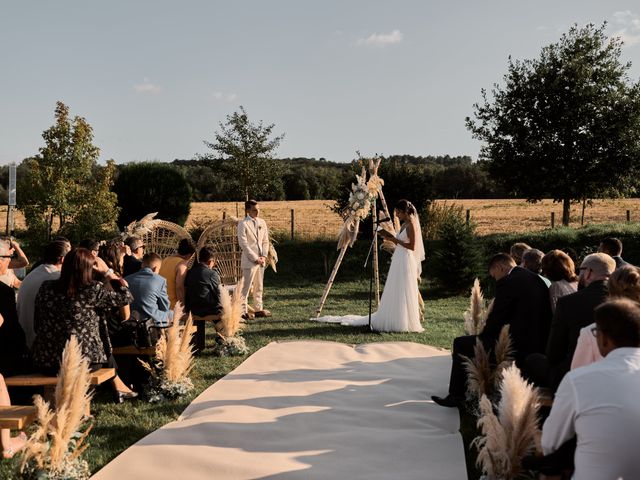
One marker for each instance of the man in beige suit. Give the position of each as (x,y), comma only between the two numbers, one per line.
(253,237)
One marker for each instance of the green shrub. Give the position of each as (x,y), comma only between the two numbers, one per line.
(457,256)
(148,187)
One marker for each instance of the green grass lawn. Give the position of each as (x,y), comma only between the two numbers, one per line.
(292,300)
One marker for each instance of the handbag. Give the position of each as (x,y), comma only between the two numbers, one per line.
(143,331)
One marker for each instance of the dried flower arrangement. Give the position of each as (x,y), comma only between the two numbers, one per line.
(229,342)
(482,377)
(511,434)
(173,361)
(53,451)
(476,317)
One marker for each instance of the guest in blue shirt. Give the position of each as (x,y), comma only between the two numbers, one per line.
(149,292)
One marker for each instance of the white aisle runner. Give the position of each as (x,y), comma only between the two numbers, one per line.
(311,410)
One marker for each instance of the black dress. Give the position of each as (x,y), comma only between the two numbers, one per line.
(14,355)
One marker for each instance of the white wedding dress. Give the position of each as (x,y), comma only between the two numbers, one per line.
(399,309)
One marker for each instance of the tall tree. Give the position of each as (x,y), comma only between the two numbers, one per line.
(64,187)
(250,147)
(565,125)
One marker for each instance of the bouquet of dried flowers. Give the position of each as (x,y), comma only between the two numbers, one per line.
(54,449)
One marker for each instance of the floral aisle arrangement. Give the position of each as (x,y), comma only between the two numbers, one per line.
(53,451)
(229,342)
(483,378)
(512,432)
(173,362)
(476,317)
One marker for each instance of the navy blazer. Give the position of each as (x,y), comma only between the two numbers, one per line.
(150,297)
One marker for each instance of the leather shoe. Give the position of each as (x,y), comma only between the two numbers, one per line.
(263,313)
(448,401)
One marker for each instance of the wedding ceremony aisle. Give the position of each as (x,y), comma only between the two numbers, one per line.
(311,410)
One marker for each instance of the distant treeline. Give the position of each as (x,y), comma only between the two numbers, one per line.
(416,177)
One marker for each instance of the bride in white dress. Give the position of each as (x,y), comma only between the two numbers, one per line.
(399,309)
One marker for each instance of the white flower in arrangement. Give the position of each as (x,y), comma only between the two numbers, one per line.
(360,195)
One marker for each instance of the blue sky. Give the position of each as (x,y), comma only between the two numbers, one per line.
(155,78)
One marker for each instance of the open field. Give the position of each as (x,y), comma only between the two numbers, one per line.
(314,218)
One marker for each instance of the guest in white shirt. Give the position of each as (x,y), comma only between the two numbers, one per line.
(558,267)
(599,403)
(54,253)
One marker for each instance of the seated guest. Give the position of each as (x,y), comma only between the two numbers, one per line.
(149,290)
(623,283)
(599,403)
(13,346)
(573,312)
(174,270)
(69,306)
(532,260)
(90,244)
(132,261)
(10,445)
(202,292)
(517,250)
(113,253)
(18,260)
(522,302)
(558,267)
(54,254)
(613,247)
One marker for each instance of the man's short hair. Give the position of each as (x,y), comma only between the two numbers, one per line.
(611,246)
(620,321)
(600,263)
(248,204)
(501,259)
(151,259)
(517,250)
(185,247)
(532,259)
(55,250)
(206,254)
(133,242)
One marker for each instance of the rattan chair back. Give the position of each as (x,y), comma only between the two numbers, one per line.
(222,237)
(163,237)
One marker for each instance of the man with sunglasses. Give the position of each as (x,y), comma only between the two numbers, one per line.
(132,261)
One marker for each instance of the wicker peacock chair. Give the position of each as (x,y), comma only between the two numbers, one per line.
(159,236)
(222,237)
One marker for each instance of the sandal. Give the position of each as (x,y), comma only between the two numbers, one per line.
(8,453)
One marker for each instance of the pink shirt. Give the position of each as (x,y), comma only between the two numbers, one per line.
(587,348)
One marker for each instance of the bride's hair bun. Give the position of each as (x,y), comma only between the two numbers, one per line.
(406,206)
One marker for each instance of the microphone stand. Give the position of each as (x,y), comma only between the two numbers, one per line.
(373,241)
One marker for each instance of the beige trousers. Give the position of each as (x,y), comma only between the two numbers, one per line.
(253,276)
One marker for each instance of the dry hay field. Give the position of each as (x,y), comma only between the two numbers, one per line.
(314,218)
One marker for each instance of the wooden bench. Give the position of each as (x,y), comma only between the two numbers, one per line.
(49,383)
(133,350)
(17,417)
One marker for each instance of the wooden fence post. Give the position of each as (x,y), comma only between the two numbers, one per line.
(553,219)
(293,223)
(628,215)
(468,217)
(224,214)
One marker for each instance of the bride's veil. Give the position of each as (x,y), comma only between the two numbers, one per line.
(418,251)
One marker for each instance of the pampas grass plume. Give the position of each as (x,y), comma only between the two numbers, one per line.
(476,317)
(231,311)
(479,373)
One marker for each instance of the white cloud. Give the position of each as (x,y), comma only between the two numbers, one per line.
(223,97)
(381,39)
(628,24)
(147,87)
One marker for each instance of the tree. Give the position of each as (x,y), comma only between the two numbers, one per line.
(64,187)
(565,125)
(251,148)
(147,187)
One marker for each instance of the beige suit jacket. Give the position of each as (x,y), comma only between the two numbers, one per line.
(254,243)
